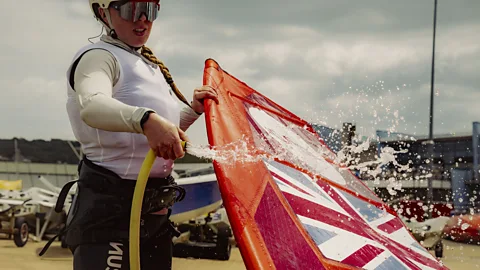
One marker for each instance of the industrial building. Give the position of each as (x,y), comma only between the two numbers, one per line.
(56,160)
(455,161)
(453,173)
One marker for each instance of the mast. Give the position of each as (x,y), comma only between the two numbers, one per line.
(430,133)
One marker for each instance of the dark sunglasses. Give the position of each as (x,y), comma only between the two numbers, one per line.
(133,10)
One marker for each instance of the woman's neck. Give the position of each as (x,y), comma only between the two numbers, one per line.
(118,42)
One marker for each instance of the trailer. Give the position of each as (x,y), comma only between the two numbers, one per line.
(12,225)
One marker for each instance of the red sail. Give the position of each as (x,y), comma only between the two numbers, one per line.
(293,207)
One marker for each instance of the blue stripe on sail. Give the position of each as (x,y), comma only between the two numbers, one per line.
(368,211)
(318,235)
(391,263)
(417,245)
(297,176)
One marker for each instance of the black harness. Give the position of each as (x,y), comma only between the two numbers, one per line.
(100,211)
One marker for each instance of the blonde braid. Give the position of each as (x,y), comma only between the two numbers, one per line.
(147,53)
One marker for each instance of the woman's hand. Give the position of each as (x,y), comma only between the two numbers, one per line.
(200,94)
(164,137)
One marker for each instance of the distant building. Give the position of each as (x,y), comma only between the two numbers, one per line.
(331,136)
(453,174)
(336,139)
(56,160)
(454,162)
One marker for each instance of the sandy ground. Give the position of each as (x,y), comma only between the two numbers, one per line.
(457,256)
(57,258)
(461,256)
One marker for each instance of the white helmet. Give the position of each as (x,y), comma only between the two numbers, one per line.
(95,4)
(99,3)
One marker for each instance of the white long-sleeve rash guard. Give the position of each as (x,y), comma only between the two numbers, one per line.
(95,75)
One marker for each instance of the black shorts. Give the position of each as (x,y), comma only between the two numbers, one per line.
(156,253)
(97,230)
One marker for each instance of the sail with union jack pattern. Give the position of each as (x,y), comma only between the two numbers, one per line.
(294,207)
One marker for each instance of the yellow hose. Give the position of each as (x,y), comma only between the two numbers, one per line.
(134,234)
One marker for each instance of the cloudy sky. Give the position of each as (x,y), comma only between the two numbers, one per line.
(327,61)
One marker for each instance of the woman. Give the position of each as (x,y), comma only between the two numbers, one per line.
(120,105)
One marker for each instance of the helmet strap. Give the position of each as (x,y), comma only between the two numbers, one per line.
(111,32)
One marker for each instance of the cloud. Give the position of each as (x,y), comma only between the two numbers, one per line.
(34,107)
(366,62)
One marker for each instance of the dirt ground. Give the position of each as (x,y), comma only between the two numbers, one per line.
(457,256)
(57,258)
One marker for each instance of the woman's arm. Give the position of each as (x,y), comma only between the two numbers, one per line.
(187,117)
(96,73)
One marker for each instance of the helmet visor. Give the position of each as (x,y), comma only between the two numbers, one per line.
(133,10)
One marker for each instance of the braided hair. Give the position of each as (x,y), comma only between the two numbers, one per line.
(147,53)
